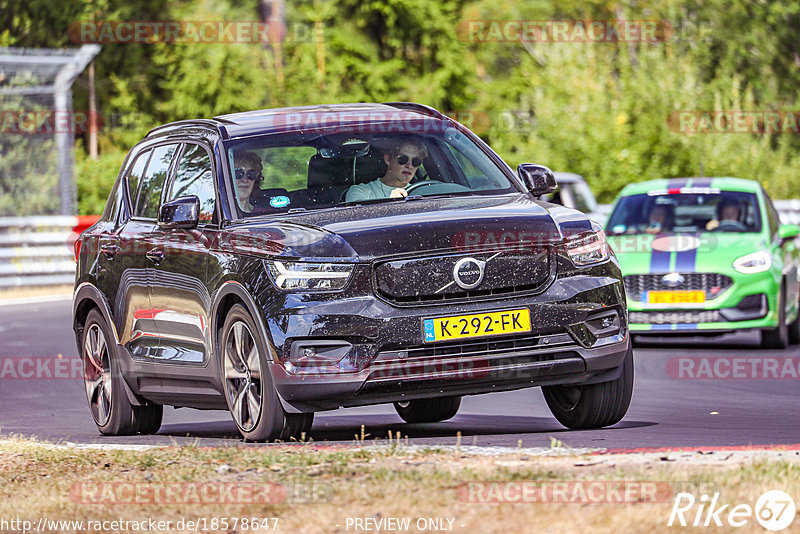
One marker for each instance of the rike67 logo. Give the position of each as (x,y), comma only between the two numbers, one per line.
(774,510)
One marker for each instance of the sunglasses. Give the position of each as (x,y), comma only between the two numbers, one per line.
(402,159)
(251,174)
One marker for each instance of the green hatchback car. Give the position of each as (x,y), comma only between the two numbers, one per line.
(706,256)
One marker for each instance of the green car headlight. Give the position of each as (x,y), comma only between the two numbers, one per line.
(309,276)
(757,262)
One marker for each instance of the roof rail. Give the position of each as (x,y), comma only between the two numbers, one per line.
(208,123)
(413,106)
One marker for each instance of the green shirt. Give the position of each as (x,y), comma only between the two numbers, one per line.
(373,190)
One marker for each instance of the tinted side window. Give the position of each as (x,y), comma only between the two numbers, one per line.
(149,196)
(194,177)
(135,175)
(111,211)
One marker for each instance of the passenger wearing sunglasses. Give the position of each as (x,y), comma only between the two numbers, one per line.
(402,161)
(247,169)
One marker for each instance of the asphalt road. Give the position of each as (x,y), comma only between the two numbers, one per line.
(667,410)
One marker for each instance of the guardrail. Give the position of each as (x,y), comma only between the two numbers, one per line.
(39,251)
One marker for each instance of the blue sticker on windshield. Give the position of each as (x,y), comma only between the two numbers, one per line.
(279,202)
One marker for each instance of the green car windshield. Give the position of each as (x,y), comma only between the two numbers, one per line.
(708,211)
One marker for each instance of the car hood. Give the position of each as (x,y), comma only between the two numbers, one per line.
(410,227)
(683,252)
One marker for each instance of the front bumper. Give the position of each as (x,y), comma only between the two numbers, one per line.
(750,303)
(388,360)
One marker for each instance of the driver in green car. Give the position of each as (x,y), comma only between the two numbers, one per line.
(727,218)
(402,159)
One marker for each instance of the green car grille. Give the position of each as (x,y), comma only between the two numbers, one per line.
(674,317)
(712,283)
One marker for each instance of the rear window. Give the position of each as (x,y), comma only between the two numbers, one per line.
(707,210)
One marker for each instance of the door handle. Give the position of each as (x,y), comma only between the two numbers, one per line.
(109,250)
(155,255)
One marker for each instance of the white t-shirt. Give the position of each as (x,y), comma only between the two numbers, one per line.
(373,190)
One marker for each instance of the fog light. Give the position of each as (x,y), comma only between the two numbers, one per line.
(317,357)
(603,324)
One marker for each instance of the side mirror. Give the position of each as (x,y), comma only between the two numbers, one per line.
(182,212)
(537,178)
(788,231)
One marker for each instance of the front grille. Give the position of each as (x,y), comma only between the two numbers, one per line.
(475,347)
(463,295)
(713,284)
(476,359)
(431,279)
(674,317)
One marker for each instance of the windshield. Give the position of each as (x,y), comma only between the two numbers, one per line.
(280,172)
(707,211)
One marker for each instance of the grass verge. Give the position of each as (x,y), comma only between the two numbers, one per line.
(316,489)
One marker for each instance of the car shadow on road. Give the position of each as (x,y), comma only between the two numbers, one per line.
(736,341)
(345,428)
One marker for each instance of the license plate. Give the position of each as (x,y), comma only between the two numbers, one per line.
(676,297)
(476,325)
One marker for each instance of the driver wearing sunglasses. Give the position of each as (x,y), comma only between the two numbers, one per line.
(402,161)
(247,176)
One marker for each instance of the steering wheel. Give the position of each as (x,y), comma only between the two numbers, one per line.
(412,187)
(731,226)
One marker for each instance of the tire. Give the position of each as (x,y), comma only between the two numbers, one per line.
(592,405)
(247,383)
(102,378)
(428,410)
(148,417)
(777,338)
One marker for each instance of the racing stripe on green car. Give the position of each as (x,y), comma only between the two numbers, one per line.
(677,183)
(686,260)
(660,260)
(701,182)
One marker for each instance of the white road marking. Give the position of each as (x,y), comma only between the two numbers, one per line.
(34,300)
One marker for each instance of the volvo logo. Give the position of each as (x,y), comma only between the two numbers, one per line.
(468,273)
(672,279)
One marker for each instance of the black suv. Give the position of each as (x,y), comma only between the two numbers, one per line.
(281,262)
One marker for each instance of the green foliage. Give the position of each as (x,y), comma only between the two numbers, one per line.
(95,178)
(600,109)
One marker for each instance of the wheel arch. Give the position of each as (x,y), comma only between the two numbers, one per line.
(230,293)
(85,299)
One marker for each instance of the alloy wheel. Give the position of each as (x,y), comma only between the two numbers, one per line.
(242,369)
(97,374)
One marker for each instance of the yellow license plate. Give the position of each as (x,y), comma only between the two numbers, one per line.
(476,325)
(676,297)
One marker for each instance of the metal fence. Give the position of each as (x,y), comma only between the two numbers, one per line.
(38,126)
(38,251)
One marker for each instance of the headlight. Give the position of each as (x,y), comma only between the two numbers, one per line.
(588,248)
(757,262)
(309,276)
